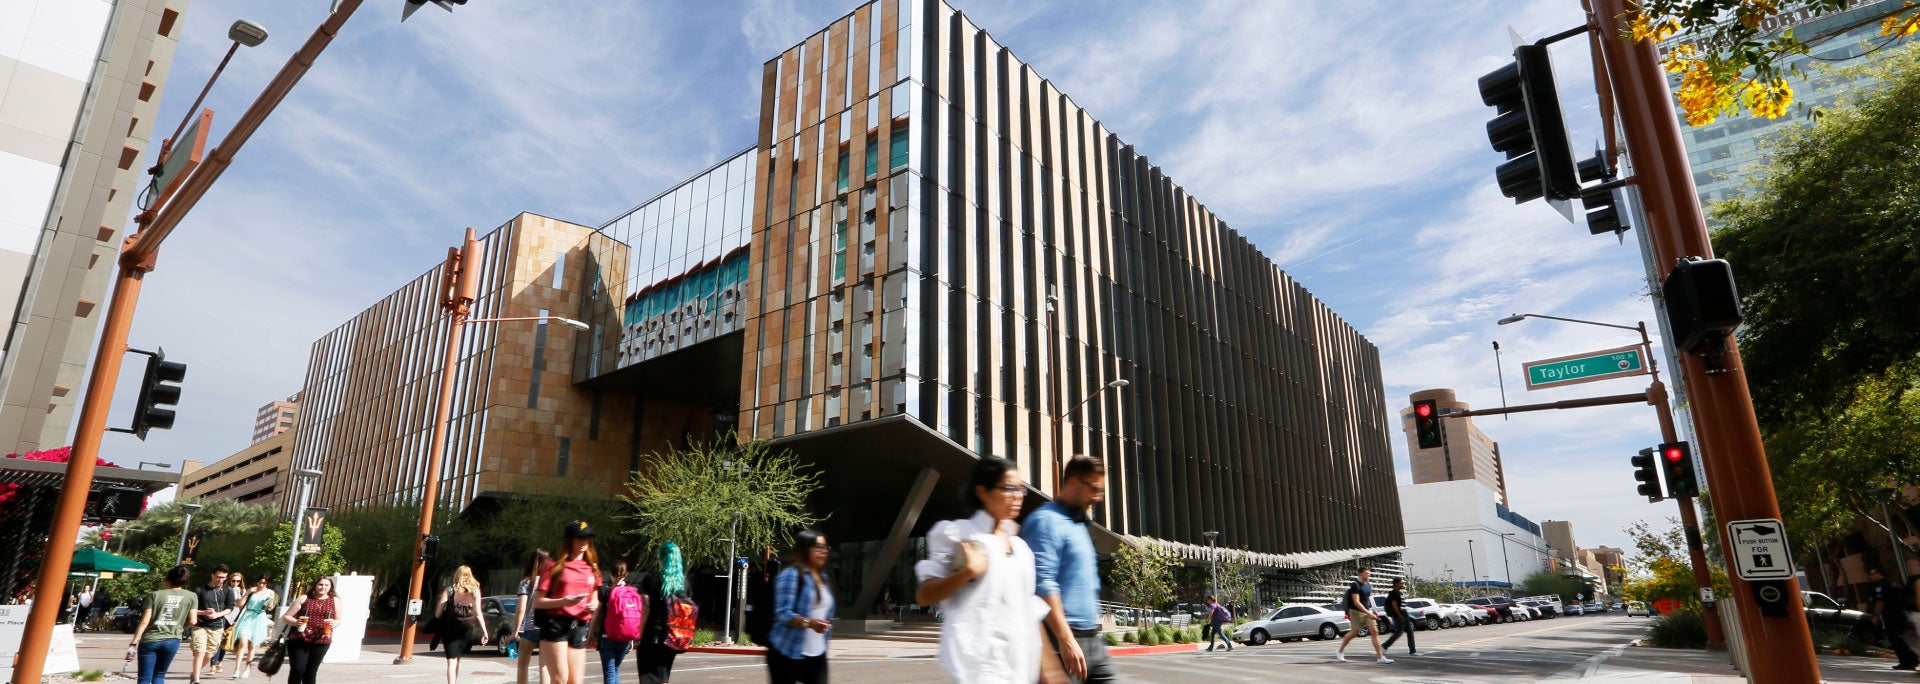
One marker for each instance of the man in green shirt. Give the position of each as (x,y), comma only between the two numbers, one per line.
(169,613)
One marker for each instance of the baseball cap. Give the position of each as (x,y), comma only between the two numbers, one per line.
(578,529)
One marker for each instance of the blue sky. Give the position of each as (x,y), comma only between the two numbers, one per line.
(1345,138)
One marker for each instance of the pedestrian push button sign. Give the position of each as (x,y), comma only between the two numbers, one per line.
(1760,549)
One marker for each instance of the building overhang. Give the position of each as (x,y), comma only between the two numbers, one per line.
(18,471)
(867,468)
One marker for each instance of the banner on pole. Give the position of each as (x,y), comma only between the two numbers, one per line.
(312,529)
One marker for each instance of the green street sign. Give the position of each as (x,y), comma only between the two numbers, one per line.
(180,161)
(1588,367)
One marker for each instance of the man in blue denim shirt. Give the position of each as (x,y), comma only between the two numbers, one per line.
(1067,573)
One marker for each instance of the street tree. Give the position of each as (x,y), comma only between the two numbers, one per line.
(1824,250)
(1662,568)
(1727,64)
(525,523)
(271,557)
(1143,574)
(687,496)
(1237,582)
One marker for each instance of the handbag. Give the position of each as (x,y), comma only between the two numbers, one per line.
(275,656)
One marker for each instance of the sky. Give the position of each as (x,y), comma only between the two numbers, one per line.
(1346,139)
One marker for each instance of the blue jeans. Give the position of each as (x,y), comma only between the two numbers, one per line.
(155,658)
(1218,631)
(612,653)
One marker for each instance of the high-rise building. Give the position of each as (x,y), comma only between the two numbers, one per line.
(1725,154)
(930,255)
(276,417)
(80,84)
(1466,454)
(251,475)
(1458,532)
(1559,535)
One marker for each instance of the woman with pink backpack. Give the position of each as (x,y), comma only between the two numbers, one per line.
(622,615)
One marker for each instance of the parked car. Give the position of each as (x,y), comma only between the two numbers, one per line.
(498,612)
(1617,605)
(1294,622)
(1638,608)
(1574,609)
(1525,613)
(1501,606)
(1592,608)
(1478,615)
(125,618)
(1823,611)
(1541,609)
(1379,616)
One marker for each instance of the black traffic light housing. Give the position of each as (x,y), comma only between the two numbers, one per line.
(1426,424)
(159,390)
(1646,470)
(429,548)
(1703,305)
(1602,204)
(1529,129)
(1676,459)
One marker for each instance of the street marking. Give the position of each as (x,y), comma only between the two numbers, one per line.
(1515,634)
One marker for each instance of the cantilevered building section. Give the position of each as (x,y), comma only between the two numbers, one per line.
(946,238)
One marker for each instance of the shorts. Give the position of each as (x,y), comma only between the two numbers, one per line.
(555,628)
(206,640)
(1362,619)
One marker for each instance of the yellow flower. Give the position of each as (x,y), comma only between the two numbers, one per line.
(1676,60)
(1703,95)
(1769,99)
(1642,28)
(1901,24)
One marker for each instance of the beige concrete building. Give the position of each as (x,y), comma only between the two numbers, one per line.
(251,475)
(275,418)
(519,423)
(1559,535)
(1468,453)
(80,85)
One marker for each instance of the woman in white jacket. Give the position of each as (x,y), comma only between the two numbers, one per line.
(981,573)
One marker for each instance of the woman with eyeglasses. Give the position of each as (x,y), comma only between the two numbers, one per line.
(256,615)
(981,573)
(802,614)
(237,586)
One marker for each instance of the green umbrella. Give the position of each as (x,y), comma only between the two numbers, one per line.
(92,560)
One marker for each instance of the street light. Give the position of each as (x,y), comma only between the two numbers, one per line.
(1059,453)
(1473,567)
(182,553)
(733,534)
(305,477)
(1507,560)
(1213,559)
(460,287)
(242,32)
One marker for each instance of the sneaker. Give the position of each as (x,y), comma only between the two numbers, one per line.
(1384,661)
(1209,649)
(1340,656)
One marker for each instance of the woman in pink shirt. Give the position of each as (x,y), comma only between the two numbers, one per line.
(566,599)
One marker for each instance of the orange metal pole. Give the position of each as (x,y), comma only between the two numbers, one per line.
(1696,552)
(1778,649)
(57,559)
(457,309)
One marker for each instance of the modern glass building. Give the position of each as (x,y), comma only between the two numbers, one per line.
(929,255)
(1725,154)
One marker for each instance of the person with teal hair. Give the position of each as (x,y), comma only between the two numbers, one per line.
(651,656)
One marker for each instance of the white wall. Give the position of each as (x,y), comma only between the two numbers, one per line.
(1440,518)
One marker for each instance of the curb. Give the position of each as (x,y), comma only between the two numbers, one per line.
(1151,650)
(730,650)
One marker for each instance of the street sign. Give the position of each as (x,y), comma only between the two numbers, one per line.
(1760,549)
(180,162)
(1605,364)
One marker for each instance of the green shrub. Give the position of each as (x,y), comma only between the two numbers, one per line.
(702,637)
(90,675)
(1132,637)
(1112,639)
(1180,637)
(1838,640)
(1152,638)
(1685,629)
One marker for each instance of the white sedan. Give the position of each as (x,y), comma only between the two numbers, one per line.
(1294,622)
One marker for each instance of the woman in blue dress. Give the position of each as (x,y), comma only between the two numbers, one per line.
(256,616)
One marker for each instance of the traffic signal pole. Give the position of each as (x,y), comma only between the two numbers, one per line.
(1779,648)
(1690,522)
(138,253)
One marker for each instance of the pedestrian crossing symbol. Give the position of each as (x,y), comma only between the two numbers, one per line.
(1760,549)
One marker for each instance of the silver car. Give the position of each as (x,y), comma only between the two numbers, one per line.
(1294,622)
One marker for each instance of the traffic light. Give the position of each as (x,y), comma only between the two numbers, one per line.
(429,547)
(1602,207)
(1529,129)
(1676,458)
(1702,303)
(159,390)
(1426,424)
(1647,471)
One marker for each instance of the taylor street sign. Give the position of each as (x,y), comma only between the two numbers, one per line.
(1760,549)
(1599,365)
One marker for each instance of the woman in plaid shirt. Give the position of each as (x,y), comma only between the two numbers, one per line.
(802,614)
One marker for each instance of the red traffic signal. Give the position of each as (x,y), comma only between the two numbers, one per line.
(1673,453)
(1423,409)
(1426,425)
